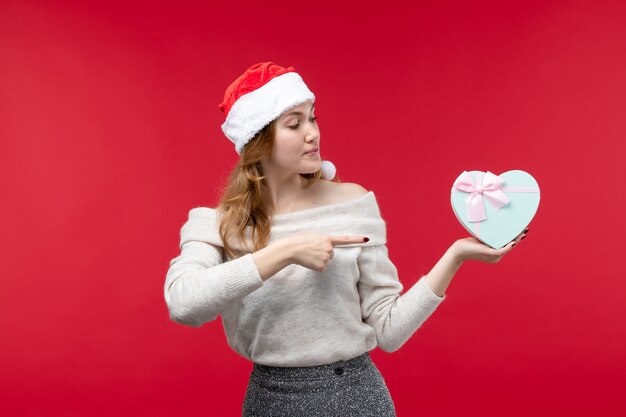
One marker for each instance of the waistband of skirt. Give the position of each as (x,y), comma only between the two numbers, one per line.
(317,371)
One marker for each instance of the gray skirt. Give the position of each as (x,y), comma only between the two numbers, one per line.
(352,387)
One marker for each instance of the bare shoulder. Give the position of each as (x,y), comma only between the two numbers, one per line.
(344,191)
(352,189)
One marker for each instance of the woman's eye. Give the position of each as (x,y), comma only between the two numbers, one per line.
(294,127)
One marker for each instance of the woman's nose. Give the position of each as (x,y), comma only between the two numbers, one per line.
(311,137)
(312,132)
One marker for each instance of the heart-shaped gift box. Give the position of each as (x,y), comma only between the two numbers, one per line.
(495,209)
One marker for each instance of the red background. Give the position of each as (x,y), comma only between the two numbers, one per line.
(111,133)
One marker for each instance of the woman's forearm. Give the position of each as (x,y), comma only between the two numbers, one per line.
(272,258)
(442,273)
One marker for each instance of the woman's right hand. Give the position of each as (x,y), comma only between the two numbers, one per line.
(315,250)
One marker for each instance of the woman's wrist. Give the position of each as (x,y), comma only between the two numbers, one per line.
(456,254)
(273,258)
(285,247)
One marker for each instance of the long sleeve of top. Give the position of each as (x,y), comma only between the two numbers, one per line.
(199,286)
(299,317)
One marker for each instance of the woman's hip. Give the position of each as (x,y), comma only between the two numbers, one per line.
(343,388)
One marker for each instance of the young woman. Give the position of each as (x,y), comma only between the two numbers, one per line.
(296,263)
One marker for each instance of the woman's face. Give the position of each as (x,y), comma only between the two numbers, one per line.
(296,133)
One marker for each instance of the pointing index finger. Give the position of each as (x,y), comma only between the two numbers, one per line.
(347,240)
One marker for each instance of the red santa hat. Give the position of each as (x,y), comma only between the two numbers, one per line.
(257,97)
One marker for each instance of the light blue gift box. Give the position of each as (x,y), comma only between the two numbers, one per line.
(502,225)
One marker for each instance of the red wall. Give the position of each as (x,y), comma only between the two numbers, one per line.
(110,133)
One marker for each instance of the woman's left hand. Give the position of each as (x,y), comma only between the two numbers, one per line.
(471,248)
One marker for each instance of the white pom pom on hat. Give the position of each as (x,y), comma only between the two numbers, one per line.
(328,170)
(257,97)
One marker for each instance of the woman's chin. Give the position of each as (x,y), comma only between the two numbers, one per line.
(312,169)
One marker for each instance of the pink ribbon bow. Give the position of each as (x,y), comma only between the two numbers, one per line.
(491,188)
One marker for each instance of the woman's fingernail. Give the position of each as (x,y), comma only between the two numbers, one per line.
(366,239)
(513,244)
(526,231)
(523,237)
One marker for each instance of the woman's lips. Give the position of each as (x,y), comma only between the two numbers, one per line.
(313,152)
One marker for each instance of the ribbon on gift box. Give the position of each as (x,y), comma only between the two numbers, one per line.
(491,188)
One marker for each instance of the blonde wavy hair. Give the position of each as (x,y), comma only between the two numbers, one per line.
(245,198)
